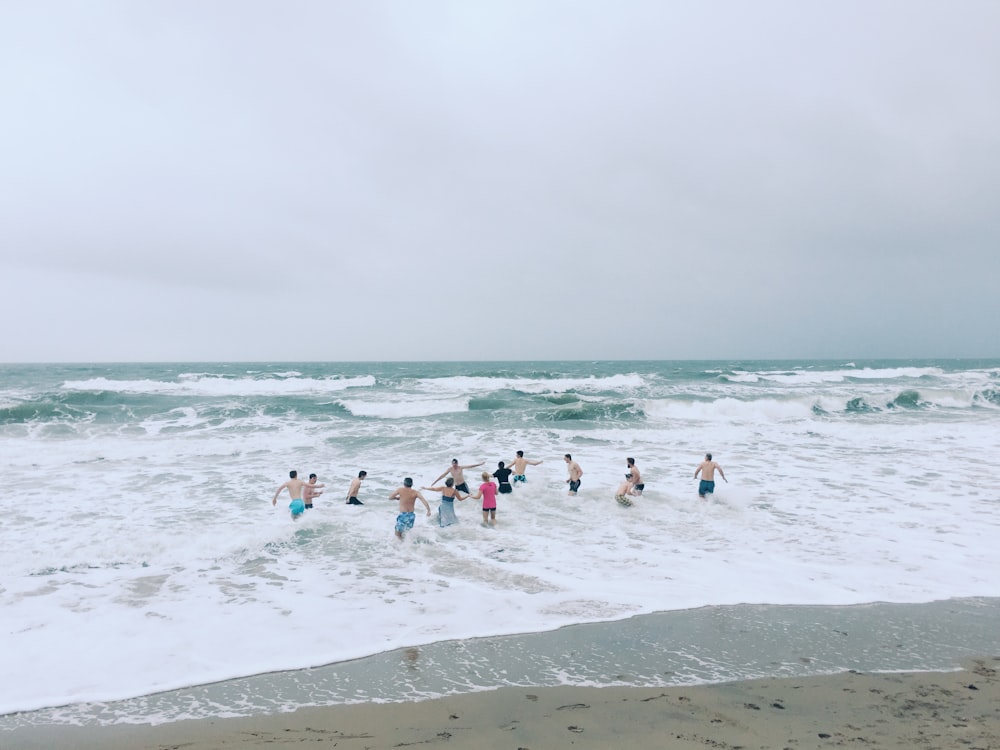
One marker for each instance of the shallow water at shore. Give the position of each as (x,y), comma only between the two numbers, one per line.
(701,646)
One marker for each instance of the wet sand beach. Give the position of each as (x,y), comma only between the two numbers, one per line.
(959,709)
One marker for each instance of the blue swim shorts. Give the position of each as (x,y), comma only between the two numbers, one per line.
(574,486)
(404,521)
(704,487)
(297,507)
(520,478)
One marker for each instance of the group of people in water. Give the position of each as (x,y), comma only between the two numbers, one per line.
(455,487)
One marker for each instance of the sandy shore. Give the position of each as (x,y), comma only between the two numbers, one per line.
(922,710)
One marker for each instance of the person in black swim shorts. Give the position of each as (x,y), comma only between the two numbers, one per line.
(635,485)
(310,491)
(457,473)
(575,472)
(355,488)
(502,475)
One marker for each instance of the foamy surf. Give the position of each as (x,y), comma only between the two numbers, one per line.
(139,520)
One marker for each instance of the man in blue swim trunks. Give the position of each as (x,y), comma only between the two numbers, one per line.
(707,469)
(518,465)
(407,497)
(294,486)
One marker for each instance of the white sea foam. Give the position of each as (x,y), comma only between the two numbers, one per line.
(413,407)
(729,409)
(155,542)
(217,386)
(531,385)
(814,377)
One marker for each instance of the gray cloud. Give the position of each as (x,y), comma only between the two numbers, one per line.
(355,181)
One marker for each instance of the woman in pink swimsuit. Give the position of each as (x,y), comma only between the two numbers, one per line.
(488,492)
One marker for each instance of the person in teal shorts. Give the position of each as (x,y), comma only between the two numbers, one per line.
(407,497)
(518,465)
(294,486)
(707,469)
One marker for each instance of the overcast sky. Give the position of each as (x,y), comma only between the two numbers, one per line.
(425,180)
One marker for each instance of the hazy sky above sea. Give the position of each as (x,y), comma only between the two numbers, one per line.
(424,180)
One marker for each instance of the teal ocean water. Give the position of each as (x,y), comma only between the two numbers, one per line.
(140,551)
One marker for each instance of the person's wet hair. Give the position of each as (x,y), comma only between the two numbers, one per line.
(408,482)
(449,482)
(293,474)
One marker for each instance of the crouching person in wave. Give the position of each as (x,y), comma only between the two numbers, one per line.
(621,494)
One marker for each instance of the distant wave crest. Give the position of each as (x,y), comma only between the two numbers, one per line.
(220,386)
(405,409)
(532,386)
(807,377)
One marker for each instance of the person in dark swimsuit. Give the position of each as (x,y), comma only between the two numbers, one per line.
(502,475)
(635,484)
(311,490)
(355,489)
(575,473)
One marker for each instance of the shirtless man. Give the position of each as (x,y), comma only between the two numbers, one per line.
(708,467)
(518,465)
(407,497)
(294,486)
(311,490)
(355,488)
(458,474)
(575,472)
(635,485)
